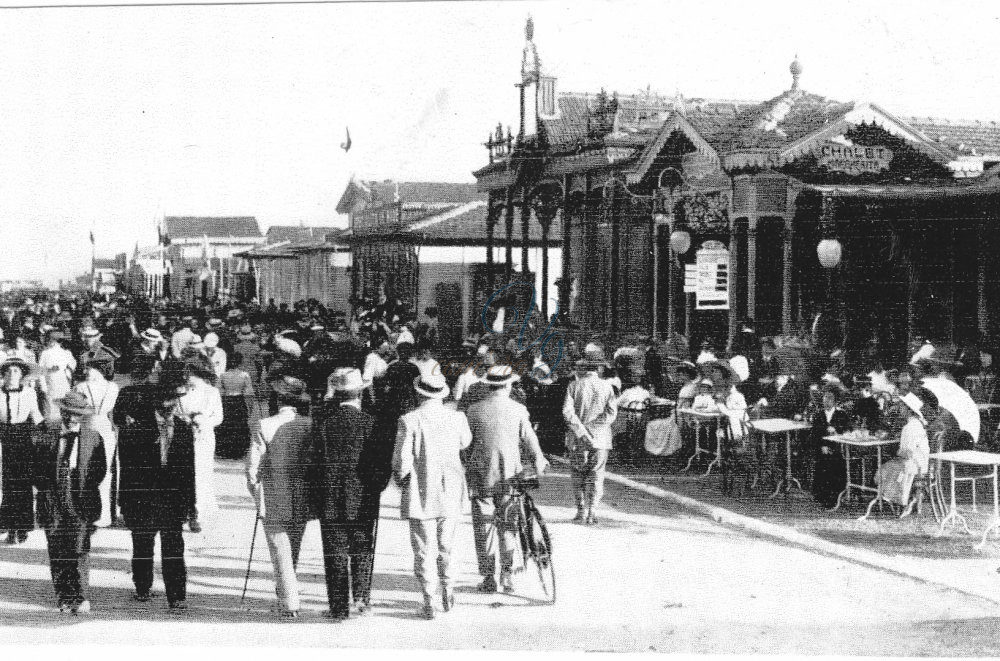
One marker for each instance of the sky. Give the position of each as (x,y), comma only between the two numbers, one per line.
(111,117)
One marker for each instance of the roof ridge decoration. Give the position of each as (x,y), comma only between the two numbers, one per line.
(447,215)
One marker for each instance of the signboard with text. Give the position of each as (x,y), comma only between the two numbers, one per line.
(712,262)
(854,159)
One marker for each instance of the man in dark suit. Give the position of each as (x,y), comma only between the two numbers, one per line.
(155,449)
(68,468)
(354,465)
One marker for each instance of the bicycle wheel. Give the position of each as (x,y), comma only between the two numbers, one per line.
(540,549)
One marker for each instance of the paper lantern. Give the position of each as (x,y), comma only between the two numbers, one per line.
(829,251)
(680,241)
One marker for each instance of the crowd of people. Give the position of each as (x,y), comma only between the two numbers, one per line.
(112,413)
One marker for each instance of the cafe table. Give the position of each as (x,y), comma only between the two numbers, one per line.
(788,428)
(859,439)
(970,458)
(709,419)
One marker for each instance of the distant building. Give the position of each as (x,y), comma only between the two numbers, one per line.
(311,263)
(428,245)
(9,286)
(106,275)
(202,256)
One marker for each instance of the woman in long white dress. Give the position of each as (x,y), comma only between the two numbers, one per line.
(895,477)
(202,406)
(102,395)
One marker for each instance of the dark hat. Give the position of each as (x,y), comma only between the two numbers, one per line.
(75,402)
(26,367)
(289,387)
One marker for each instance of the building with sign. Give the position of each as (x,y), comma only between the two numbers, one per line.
(881,224)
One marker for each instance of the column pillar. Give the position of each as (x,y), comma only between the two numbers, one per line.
(786,279)
(615,267)
(567,272)
(546,210)
(734,270)
(752,250)
(525,231)
(509,220)
(491,222)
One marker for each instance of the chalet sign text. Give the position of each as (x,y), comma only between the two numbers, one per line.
(856,159)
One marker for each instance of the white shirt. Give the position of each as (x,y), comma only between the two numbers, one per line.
(375,368)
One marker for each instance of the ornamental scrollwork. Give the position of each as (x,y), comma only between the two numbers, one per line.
(707,213)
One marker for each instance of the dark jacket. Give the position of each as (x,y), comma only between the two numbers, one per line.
(788,401)
(151,495)
(353,465)
(84,480)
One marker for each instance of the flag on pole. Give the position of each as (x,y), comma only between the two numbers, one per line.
(346,145)
(92,237)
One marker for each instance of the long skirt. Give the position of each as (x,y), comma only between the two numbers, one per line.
(17,511)
(233,435)
(830,477)
(895,478)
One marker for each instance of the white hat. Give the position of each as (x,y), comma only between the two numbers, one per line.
(90,331)
(431,384)
(913,403)
(211,340)
(498,376)
(925,352)
(152,335)
(346,379)
(195,342)
(285,345)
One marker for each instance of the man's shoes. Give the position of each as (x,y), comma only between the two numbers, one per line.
(506,582)
(142,596)
(179,605)
(579,517)
(194,526)
(288,614)
(447,599)
(336,617)
(427,610)
(22,536)
(81,607)
(591,519)
(11,537)
(362,609)
(65,607)
(488,586)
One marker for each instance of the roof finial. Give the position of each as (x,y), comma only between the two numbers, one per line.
(796,69)
(529,29)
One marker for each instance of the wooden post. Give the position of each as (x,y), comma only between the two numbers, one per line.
(752,249)
(525,232)
(615,256)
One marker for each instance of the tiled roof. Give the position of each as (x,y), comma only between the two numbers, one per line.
(100,263)
(279,233)
(783,120)
(186,227)
(963,136)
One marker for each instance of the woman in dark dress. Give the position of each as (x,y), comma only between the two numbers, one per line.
(830,473)
(19,417)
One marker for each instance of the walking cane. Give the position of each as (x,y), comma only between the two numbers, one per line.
(253,542)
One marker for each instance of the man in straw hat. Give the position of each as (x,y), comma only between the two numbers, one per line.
(277,476)
(427,466)
(95,352)
(500,428)
(69,466)
(354,466)
(589,409)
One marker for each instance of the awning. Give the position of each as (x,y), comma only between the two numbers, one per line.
(907,191)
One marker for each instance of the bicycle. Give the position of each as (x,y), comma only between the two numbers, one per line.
(521,514)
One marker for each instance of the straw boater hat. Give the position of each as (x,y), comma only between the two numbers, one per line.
(90,331)
(431,385)
(152,335)
(913,403)
(289,387)
(286,345)
(214,323)
(233,314)
(211,340)
(246,333)
(499,376)
(346,379)
(196,343)
(706,382)
(688,368)
(76,403)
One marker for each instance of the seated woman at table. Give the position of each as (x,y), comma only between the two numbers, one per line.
(686,381)
(729,400)
(895,477)
(830,473)
(705,399)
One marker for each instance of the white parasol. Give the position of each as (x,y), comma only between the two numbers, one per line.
(958,402)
